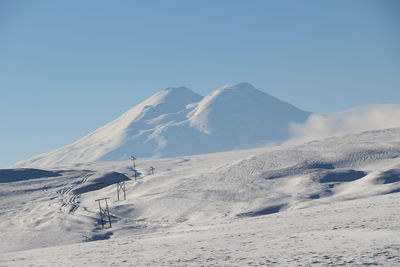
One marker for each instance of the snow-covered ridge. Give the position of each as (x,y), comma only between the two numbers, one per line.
(177,121)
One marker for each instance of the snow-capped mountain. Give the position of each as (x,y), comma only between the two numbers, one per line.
(178,121)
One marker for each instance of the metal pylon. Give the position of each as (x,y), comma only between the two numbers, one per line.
(104,212)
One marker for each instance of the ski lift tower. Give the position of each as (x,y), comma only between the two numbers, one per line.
(152,169)
(133,162)
(134,166)
(104,212)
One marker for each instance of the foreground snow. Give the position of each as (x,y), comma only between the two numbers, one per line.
(360,232)
(333,201)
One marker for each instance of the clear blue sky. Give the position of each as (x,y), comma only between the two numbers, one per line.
(68,67)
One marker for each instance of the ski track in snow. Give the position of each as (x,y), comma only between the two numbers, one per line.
(68,199)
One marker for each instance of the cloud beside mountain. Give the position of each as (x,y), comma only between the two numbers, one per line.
(359,119)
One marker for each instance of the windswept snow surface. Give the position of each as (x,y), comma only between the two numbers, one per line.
(362,232)
(326,202)
(177,121)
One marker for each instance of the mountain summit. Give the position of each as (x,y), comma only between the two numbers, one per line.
(178,121)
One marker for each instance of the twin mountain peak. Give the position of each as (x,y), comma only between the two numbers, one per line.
(178,121)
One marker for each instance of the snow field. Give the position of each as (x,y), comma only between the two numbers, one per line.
(343,233)
(327,202)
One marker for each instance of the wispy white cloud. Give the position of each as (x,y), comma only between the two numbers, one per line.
(364,118)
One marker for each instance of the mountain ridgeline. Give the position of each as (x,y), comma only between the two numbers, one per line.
(178,121)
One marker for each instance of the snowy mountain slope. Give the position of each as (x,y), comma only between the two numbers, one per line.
(247,112)
(134,127)
(177,121)
(199,191)
(281,178)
